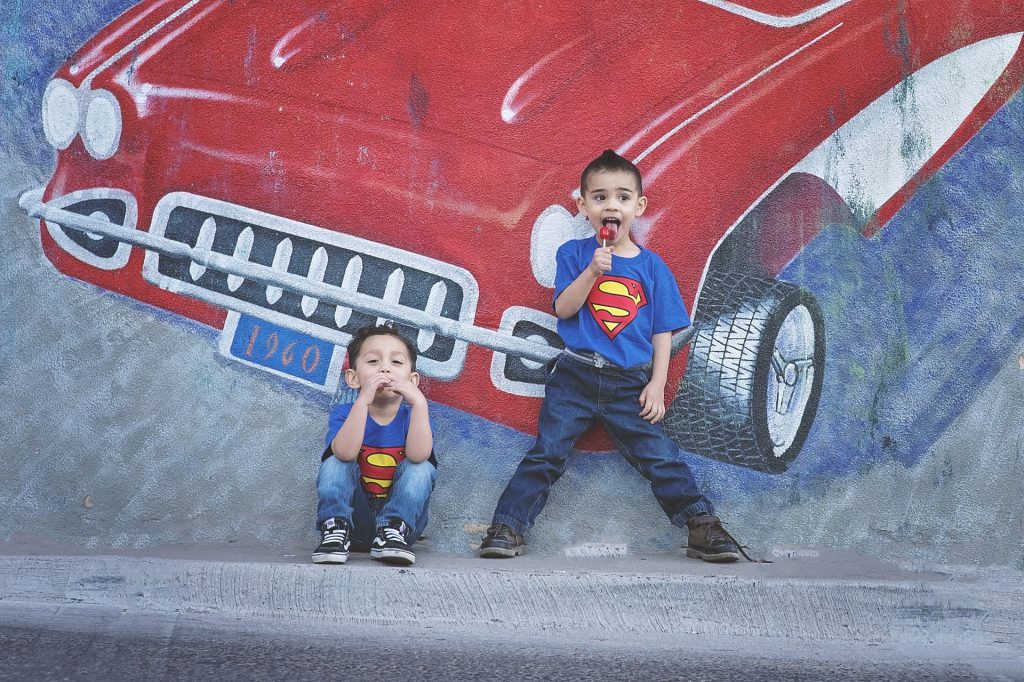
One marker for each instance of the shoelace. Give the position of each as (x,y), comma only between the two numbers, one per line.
(742,548)
(393,535)
(338,536)
(502,533)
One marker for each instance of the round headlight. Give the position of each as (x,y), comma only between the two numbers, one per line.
(102,130)
(553,227)
(60,113)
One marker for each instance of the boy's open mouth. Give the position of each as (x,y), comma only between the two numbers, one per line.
(609,230)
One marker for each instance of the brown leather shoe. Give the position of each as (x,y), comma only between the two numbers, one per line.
(502,542)
(707,540)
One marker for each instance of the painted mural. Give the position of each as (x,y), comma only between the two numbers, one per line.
(284,173)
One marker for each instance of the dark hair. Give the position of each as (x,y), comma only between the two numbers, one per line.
(610,161)
(386,329)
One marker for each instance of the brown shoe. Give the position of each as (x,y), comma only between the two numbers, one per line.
(707,540)
(502,542)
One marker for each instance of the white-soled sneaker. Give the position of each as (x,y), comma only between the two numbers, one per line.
(334,542)
(392,544)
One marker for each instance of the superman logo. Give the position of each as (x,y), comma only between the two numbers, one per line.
(614,302)
(377,468)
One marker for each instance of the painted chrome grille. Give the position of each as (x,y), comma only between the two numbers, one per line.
(318,255)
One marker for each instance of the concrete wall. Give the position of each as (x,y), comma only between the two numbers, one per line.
(124,427)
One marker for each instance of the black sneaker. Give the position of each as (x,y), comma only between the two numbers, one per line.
(392,543)
(502,542)
(334,542)
(707,540)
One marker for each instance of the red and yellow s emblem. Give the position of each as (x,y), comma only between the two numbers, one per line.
(614,302)
(377,468)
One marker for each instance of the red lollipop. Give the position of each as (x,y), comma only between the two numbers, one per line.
(605,233)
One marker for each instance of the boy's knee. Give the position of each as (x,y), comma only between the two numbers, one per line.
(333,471)
(422,473)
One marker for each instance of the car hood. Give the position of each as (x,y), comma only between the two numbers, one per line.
(532,80)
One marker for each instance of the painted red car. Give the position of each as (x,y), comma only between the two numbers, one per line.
(287,172)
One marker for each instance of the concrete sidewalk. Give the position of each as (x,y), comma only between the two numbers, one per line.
(806,595)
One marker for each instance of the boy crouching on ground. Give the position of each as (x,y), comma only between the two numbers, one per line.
(378,468)
(617,306)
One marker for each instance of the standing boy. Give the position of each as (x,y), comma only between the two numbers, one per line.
(378,463)
(617,306)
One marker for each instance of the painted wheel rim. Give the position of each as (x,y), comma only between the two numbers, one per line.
(791,377)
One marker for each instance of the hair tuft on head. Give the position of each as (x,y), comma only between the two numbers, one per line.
(384,329)
(611,161)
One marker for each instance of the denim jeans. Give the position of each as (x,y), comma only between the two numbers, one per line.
(576,395)
(341,494)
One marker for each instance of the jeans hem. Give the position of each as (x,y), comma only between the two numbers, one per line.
(702,507)
(382,521)
(512,523)
(332,516)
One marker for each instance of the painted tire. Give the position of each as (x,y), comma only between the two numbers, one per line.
(754,376)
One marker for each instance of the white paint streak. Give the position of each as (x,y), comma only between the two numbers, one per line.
(880,149)
(510,108)
(777,20)
(153,49)
(138,41)
(141,93)
(115,36)
(741,86)
(281,54)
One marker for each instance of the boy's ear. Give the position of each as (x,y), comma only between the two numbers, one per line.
(351,379)
(580,203)
(641,206)
(415,378)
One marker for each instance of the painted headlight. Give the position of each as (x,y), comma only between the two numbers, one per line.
(60,113)
(102,129)
(553,227)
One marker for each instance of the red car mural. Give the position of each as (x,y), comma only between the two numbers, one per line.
(288,172)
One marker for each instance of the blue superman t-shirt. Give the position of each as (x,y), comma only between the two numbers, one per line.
(383,447)
(626,307)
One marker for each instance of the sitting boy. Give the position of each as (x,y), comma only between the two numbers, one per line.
(378,463)
(617,306)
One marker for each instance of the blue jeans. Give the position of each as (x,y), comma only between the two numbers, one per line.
(577,394)
(340,494)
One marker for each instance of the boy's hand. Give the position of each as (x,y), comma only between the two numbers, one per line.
(602,261)
(374,385)
(408,390)
(652,402)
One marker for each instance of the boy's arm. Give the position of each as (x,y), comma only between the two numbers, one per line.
(574,296)
(652,398)
(419,442)
(346,443)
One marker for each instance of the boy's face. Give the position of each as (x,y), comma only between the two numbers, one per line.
(381,353)
(612,198)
